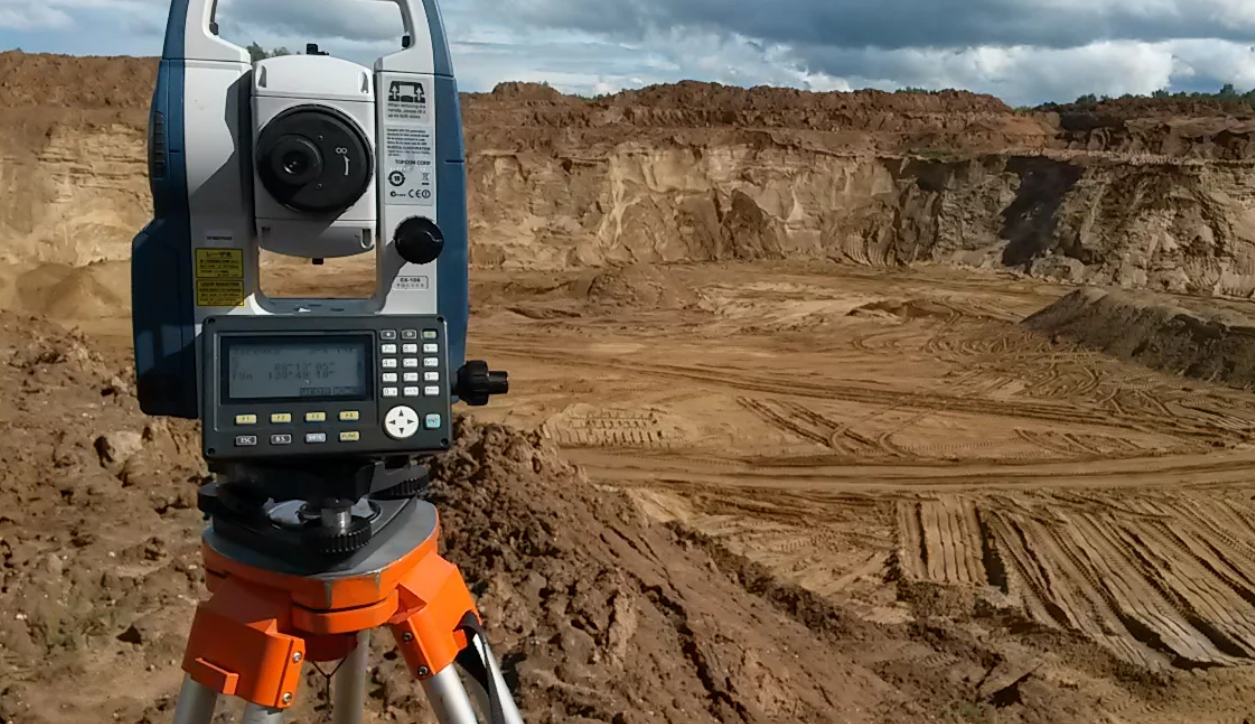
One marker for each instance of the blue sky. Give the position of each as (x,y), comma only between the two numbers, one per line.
(1024,51)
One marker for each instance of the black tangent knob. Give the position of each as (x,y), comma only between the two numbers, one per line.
(476,383)
(418,240)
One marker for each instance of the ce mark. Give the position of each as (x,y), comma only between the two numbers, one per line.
(412,193)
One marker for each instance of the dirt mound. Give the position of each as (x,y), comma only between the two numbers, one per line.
(95,291)
(518,91)
(40,80)
(695,95)
(636,285)
(1126,108)
(903,309)
(1156,332)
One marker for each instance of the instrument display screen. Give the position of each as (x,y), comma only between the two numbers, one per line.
(297,368)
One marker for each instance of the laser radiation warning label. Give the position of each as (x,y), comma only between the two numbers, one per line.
(219,263)
(219,277)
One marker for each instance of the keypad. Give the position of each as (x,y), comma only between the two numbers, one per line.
(430,376)
(246,441)
(431,391)
(432,421)
(280,439)
(350,416)
(410,348)
(315,437)
(315,417)
(390,392)
(388,334)
(351,436)
(431,362)
(281,418)
(389,348)
(409,334)
(390,377)
(389,363)
(246,419)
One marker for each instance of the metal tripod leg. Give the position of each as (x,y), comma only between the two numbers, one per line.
(509,710)
(448,699)
(348,686)
(196,703)
(254,714)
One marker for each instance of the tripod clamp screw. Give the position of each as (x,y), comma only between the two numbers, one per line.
(407,637)
(423,671)
(287,697)
(296,657)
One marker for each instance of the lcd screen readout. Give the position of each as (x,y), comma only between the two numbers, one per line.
(296,369)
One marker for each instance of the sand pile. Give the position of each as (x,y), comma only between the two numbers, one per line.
(1155,331)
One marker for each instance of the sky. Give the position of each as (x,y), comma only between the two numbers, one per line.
(1023,51)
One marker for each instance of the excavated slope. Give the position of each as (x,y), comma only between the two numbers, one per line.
(1212,345)
(697,171)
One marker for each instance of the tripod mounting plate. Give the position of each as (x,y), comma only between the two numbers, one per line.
(412,526)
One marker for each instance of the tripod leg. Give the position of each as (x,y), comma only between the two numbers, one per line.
(349,684)
(448,698)
(489,684)
(254,714)
(196,703)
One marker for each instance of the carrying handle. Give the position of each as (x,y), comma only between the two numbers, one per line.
(190,34)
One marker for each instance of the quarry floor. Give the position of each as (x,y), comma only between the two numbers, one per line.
(849,429)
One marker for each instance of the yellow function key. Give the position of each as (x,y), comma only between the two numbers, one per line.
(281,418)
(350,416)
(315,417)
(246,419)
(350,436)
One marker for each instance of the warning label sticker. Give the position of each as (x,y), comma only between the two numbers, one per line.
(410,160)
(407,102)
(219,277)
(219,292)
(220,264)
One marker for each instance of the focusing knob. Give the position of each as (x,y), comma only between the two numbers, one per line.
(418,240)
(476,383)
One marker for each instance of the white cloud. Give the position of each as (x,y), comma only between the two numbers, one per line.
(28,16)
(1024,51)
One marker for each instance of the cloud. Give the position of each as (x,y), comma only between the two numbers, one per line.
(896,24)
(1024,51)
(27,16)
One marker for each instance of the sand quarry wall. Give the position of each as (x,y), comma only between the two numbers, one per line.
(702,172)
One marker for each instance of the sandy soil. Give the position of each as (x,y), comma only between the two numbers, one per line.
(803,493)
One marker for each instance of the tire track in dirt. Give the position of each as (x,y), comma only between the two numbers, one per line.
(1159,582)
(940,540)
(1200,423)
